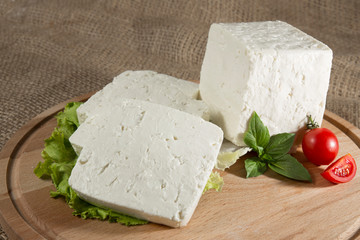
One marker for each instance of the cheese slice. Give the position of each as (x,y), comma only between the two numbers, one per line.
(145,160)
(148,86)
(269,67)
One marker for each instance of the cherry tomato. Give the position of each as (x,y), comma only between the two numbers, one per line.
(341,171)
(320,146)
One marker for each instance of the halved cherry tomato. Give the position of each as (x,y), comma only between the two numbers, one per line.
(341,171)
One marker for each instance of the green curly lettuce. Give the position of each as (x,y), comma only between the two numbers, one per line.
(60,158)
(229,154)
(215,182)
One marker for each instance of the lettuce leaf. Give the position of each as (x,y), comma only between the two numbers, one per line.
(229,154)
(215,182)
(60,158)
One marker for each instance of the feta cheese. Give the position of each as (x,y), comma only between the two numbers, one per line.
(147,160)
(148,86)
(268,67)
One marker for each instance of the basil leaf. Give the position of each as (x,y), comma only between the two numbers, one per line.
(254,167)
(266,157)
(280,144)
(257,135)
(289,167)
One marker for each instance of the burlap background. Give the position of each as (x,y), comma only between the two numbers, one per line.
(51,51)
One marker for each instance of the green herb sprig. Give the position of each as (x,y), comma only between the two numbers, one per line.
(272,152)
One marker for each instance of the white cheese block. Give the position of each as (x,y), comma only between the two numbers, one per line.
(145,160)
(268,67)
(148,86)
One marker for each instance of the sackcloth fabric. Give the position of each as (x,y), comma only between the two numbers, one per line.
(54,50)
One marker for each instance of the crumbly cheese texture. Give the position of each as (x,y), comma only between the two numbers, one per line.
(148,86)
(145,160)
(269,67)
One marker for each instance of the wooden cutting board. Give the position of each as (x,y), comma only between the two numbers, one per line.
(266,207)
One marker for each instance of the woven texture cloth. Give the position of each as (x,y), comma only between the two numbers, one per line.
(51,51)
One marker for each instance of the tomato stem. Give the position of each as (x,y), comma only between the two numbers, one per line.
(311,124)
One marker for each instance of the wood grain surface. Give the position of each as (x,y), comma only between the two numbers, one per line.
(266,207)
